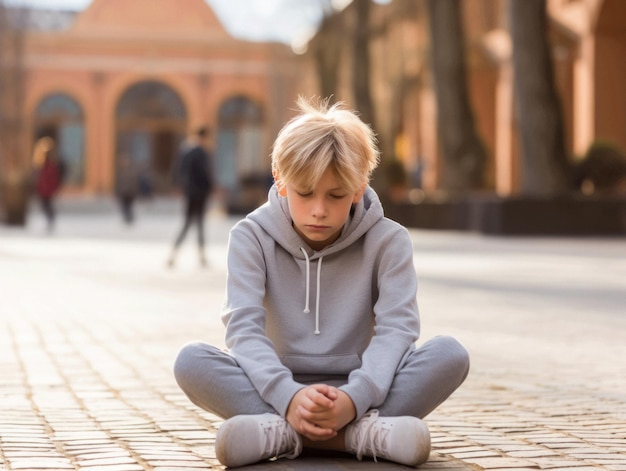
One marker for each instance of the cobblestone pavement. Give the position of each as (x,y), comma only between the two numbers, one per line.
(91,321)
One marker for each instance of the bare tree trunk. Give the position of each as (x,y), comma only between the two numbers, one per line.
(327,54)
(463,151)
(361,84)
(544,160)
(361,73)
(398,80)
(14,166)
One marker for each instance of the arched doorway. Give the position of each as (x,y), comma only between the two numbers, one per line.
(150,125)
(242,165)
(60,118)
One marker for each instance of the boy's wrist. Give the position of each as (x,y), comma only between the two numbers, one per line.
(346,408)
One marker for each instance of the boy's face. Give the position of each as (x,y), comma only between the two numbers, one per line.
(319,214)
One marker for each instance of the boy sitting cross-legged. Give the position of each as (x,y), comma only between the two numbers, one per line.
(321,313)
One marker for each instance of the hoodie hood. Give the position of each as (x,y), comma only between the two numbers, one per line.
(275,219)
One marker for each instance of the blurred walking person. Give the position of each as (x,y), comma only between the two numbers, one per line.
(127,187)
(48,179)
(194,173)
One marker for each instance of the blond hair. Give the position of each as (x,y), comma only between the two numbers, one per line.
(43,147)
(322,137)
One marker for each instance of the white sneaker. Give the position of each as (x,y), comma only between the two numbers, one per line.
(403,440)
(246,439)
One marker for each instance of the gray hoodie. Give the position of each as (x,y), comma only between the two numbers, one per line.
(349,310)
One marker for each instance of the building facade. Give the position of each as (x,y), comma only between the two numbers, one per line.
(131,79)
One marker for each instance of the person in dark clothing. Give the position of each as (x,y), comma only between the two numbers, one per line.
(195,177)
(127,187)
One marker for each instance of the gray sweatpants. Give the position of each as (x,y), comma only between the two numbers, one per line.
(214,381)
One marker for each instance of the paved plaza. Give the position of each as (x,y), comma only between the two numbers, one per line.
(91,321)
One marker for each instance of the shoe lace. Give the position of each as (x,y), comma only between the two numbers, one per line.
(368,436)
(282,440)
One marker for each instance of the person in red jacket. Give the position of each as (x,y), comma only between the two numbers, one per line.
(49,177)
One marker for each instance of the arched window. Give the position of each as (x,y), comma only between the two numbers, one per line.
(151,123)
(60,117)
(149,101)
(240,153)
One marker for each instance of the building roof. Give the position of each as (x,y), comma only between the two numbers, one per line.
(165,16)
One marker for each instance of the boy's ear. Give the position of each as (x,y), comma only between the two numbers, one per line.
(359,194)
(282,191)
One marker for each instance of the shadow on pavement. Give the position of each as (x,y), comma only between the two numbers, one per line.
(344,462)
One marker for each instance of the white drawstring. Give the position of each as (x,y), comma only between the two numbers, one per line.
(306,303)
(317,297)
(317,293)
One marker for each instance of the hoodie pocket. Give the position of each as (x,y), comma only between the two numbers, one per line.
(322,364)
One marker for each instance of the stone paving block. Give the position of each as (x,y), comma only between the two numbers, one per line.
(608,461)
(499,462)
(561,463)
(172,468)
(156,440)
(115,467)
(534,453)
(194,436)
(169,457)
(577,468)
(108,461)
(79,436)
(448,441)
(445,465)
(94,454)
(468,455)
(28,453)
(161,448)
(89,444)
(510,447)
(177,463)
(465,449)
(204,451)
(25,440)
(514,469)
(40,463)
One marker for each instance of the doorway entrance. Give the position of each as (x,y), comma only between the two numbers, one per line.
(150,125)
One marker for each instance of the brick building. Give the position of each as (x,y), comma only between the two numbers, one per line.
(132,78)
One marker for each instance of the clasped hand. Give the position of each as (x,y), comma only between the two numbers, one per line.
(319,411)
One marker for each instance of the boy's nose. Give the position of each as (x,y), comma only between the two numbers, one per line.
(319,209)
